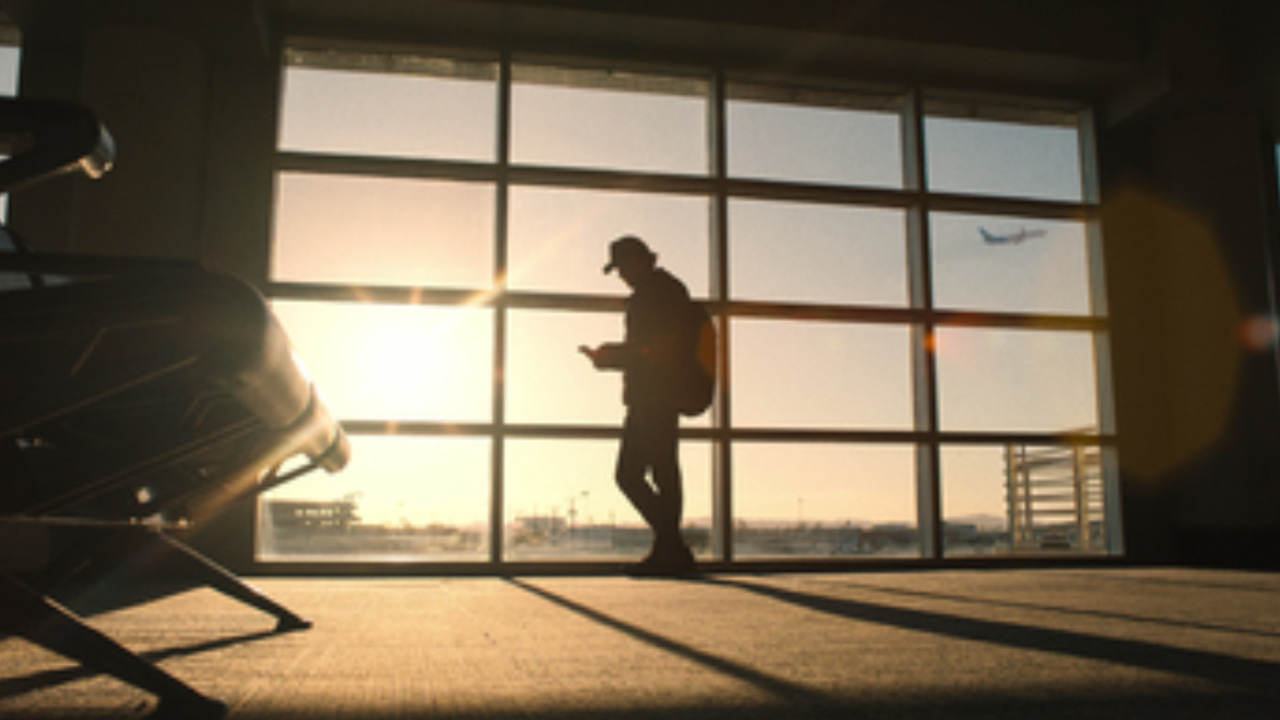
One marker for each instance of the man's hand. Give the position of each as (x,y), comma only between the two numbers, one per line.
(610,356)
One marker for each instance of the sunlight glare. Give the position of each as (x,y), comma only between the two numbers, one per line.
(396,362)
(402,358)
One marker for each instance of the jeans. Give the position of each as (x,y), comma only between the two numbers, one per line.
(649,447)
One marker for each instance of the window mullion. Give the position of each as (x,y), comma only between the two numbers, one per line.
(500,227)
(722,475)
(924,335)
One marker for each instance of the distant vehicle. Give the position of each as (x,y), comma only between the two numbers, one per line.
(1011,238)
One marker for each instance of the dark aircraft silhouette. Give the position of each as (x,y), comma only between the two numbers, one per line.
(1011,238)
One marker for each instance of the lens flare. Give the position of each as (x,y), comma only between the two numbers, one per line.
(1259,333)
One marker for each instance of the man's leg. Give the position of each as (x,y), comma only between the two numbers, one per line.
(650,443)
(633,466)
(663,427)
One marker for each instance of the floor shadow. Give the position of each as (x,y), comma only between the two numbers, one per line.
(1133,707)
(111,593)
(45,679)
(1142,579)
(1043,607)
(1252,675)
(785,691)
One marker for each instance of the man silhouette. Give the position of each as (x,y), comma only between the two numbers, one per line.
(650,358)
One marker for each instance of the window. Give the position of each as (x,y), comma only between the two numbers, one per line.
(376,104)
(910,312)
(400,362)
(789,374)
(1016,380)
(1004,151)
(562,504)
(10,64)
(354,230)
(814,136)
(818,254)
(545,379)
(389,504)
(1019,498)
(811,499)
(1010,264)
(10,58)
(609,119)
(558,237)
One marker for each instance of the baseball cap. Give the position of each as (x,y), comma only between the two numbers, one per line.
(627,246)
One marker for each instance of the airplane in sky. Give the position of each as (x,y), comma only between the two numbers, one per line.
(1011,238)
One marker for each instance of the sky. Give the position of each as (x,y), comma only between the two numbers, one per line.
(425,363)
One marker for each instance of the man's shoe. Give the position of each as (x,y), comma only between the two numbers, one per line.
(648,567)
(681,561)
(673,561)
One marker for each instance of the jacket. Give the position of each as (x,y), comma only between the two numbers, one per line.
(656,339)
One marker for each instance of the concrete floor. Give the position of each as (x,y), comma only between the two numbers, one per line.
(1091,643)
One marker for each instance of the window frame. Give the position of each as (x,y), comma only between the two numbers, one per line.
(919,314)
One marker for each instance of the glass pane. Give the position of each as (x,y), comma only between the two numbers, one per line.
(793,252)
(1016,380)
(562,502)
(396,362)
(1015,498)
(820,374)
(1005,264)
(400,499)
(822,500)
(1004,158)
(12,243)
(383,231)
(818,137)
(400,114)
(559,240)
(548,380)
(10,56)
(608,119)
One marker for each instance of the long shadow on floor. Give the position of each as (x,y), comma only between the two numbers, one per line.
(1061,610)
(1256,676)
(784,690)
(1252,687)
(1252,581)
(45,679)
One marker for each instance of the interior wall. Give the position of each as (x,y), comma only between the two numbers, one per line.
(1189,255)
(238,178)
(149,86)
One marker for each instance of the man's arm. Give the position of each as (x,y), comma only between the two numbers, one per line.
(610,356)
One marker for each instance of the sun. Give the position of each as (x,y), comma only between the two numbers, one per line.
(403,360)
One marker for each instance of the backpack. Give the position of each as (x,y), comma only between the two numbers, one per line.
(698,381)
